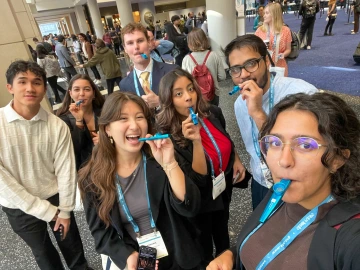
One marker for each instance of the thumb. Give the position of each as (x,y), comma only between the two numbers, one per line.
(57,224)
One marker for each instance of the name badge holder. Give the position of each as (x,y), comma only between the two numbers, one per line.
(219,183)
(272,206)
(264,168)
(153,239)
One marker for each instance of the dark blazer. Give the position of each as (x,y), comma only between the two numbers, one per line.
(330,249)
(169,215)
(159,70)
(184,157)
(82,140)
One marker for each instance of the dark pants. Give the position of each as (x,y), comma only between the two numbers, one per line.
(258,193)
(179,58)
(34,232)
(307,24)
(111,84)
(117,48)
(81,61)
(356,19)
(212,226)
(330,24)
(96,72)
(215,101)
(55,87)
(70,71)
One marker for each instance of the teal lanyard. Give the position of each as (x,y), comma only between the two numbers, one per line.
(271,105)
(305,222)
(126,208)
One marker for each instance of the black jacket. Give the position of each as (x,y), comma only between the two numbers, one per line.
(330,249)
(169,215)
(184,157)
(81,138)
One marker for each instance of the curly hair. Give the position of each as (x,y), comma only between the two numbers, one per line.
(339,126)
(168,120)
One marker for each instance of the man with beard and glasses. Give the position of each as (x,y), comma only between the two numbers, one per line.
(260,90)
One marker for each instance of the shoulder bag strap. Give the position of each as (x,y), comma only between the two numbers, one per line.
(192,57)
(206,57)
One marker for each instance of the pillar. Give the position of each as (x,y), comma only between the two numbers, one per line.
(17,28)
(144,8)
(96,18)
(81,20)
(221,18)
(125,12)
(69,25)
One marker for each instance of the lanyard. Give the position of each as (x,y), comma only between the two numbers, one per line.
(126,208)
(211,164)
(271,105)
(305,222)
(136,83)
(215,145)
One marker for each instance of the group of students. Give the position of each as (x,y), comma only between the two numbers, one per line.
(176,191)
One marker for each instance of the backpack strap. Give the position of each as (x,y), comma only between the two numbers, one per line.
(192,57)
(206,57)
(337,227)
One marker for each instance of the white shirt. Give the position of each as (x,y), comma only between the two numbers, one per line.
(149,68)
(36,162)
(283,86)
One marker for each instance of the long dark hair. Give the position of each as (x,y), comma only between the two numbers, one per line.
(98,175)
(41,51)
(168,120)
(339,126)
(97,102)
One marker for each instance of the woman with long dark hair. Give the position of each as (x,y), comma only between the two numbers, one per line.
(134,190)
(311,219)
(80,110)
(205,153)
(179,41)
(52,67)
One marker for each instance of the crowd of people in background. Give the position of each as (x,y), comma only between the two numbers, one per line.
(175,192)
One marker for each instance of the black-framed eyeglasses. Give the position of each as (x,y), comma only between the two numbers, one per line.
(250,66)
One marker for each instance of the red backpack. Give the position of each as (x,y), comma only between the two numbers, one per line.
(204,79)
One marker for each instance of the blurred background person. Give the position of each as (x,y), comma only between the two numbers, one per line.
(179,41)
(259,20)
(331,17)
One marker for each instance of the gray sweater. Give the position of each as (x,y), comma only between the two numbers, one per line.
(213,63)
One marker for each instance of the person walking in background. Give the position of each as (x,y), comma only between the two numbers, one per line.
(276,34)
(308,10)
(199,45)
(82,119)
(259,20)
(109,64)
(88,53)
(179,40)
(65,60)
(107,39)
(356,5)
(331,17)
(78,51)
(51,65)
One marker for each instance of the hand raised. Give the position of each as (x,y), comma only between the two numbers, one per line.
(162,150)
(77,111)
(191,131)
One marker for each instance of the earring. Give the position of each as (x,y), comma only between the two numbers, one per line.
(279,163)
(111,140)
(332,171)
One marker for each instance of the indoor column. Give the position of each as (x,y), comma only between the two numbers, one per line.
(96,18)
(125,12)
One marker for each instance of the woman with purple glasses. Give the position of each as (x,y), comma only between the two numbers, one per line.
(311,144)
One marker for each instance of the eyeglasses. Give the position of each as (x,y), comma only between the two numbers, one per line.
(300,147)
(250,66)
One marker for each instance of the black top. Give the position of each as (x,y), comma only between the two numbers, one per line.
(170,218)
(82,139)
(330,249)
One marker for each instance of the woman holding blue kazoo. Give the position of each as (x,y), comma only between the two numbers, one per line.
(310,220)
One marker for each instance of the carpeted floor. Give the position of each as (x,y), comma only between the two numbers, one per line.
(329,64)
